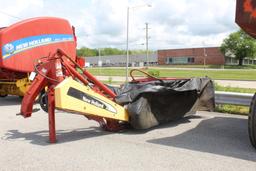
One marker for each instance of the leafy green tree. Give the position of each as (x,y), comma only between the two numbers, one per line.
(112,51)
(140,52)
(84,51)
(239,45)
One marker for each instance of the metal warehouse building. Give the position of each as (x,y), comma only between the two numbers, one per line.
(120,60)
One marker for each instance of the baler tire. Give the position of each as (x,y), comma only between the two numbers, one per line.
(252,122)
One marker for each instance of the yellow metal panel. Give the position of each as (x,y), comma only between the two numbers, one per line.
(23,85)
(72,95)
(17,87)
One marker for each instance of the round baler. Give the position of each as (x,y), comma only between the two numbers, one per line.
(26,41)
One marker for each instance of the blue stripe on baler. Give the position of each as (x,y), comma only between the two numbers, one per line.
(21,45)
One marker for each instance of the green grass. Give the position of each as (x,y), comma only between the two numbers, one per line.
(232,109)
(214,74)
(234,89)
(210,66)
(240,67)
(112,82)
(192,66)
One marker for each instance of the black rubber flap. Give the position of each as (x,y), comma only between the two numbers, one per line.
(152,103)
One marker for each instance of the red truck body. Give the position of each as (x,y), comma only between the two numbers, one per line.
(246,16)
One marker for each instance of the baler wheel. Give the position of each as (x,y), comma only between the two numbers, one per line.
(43,101)
(252,122)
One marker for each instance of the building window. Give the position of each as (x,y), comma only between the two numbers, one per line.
(191,60)
(180,60)
(170,60)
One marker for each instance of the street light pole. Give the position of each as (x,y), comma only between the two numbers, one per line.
(127,45)
(147,63)
(205,54)
(127,37)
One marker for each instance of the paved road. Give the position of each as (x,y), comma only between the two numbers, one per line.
(231,83)
(206,141)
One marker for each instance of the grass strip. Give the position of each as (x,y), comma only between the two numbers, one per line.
(213,74)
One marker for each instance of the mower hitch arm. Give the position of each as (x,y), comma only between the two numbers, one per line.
(36,87)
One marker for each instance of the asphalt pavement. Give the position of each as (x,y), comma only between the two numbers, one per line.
(205,141)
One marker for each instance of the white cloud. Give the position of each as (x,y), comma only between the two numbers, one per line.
(99,23)
(11,11)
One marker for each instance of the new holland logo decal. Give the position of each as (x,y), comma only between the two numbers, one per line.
(31,42)
(91,100)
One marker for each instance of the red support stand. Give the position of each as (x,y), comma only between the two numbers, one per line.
(51,116)
(51,72)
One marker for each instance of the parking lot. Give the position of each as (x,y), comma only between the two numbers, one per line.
(211,141)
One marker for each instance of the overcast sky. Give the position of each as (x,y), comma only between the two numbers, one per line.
(102,23)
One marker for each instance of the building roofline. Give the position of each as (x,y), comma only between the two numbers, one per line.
(188,48)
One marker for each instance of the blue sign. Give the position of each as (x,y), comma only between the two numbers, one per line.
(20,45)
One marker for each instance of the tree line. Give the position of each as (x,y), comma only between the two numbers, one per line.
(239,45)
(85,52)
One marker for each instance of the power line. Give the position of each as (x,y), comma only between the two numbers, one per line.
(10,15)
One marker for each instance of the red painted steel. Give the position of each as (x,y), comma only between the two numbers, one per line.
(51,115)
(28,100)
(25,31)
(50,73)
(80,61)
(246,16)
(75,73)
(149,77)
(99,84)
(89,76)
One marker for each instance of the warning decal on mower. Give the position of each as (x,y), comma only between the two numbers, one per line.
(20,45)
(90,100)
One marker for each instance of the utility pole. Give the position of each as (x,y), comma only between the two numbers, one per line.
(205,55)
(147,63)
(99,61)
